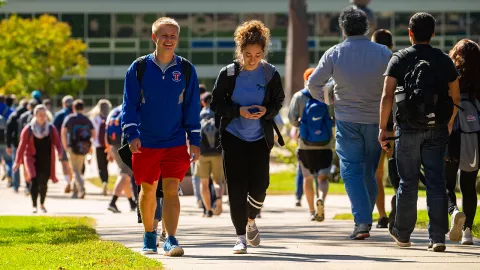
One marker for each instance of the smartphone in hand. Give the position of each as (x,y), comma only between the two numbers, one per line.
(254,110)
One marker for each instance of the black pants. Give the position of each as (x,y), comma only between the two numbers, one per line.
(468,182)
(102,163)
(39,186)
(246,166)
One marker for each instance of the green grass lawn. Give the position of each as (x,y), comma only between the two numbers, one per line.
(284,183)
(97,182)
(62,243)
(422,220)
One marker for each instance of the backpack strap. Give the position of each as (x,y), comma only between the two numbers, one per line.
(268,70)
(140,67)
(186,69)
(306,93)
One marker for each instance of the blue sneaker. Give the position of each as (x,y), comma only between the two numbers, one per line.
(149,243)
(172,248)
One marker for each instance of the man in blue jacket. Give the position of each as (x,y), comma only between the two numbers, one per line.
(159,108)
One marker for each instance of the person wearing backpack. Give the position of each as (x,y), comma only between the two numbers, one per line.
(36,151)
(463,145)
(161,105)
(210,164)
(113,137)
(247,95)
(423,82)
(98,116)
(356,65)
(4,114)
(314,147)
(77,135)
(11,138)
(67,103)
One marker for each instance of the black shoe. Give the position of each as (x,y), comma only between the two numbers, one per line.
(400,242)
(298,204)
(113,208)
(209,214)
(133,207)
(382,223)
(360,232)
(437,247)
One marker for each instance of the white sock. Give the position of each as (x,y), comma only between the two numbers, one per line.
(67,179)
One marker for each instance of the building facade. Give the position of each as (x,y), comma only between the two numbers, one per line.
(117,32)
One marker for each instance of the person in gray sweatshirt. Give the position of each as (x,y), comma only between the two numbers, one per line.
(357,66)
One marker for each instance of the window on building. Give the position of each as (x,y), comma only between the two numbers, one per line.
(125,25)
(95,87)
(327,25)
(311,21)
(202,58)
(456,23)
(254,16)
(3,16)
(384,20)
(277,57)
(202,25)
(99,58)
(124,58)
(25,15)
(278,24)
(99,25)
(116,87)
(184,21)
(224,58)
(475,23)
(226,24)
(77,24)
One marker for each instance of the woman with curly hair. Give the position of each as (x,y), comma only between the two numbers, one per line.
(247,95)
(466,56)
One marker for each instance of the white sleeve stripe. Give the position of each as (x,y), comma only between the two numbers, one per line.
(128,125)
(196,130)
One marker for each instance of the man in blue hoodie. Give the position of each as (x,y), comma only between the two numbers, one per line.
(157,113)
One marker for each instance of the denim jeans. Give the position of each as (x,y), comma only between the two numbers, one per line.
(15,175)
(359,152)
(413,149)
(299,183)
(195,183)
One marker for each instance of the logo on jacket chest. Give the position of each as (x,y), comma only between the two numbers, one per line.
(176,76)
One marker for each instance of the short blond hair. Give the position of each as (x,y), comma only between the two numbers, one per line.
(164,21)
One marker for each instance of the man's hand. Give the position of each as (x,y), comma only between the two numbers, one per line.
(194,153)
(135,146)
(382,139)
(9,151)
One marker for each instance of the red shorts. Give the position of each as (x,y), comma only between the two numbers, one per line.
(148,165)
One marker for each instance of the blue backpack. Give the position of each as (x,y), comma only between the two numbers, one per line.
(114,127)
(316,124)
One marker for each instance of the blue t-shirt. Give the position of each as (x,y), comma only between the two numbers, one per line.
(249,90)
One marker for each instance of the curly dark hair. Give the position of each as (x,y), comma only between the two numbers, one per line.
(353,21)
(466,57)
(251,32)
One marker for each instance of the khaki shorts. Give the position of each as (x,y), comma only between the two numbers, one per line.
(207,166)
(122,167)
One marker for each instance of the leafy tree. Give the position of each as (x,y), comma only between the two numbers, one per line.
(40,54)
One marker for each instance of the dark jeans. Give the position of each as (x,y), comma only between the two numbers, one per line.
(246,166)
(468,182)
(413,149)
(102,163)
(299,183)
(39,186)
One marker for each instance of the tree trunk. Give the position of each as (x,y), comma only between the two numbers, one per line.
(296,58)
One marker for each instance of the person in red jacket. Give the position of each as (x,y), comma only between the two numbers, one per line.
(36,149)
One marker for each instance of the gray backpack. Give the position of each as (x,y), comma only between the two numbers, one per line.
(469,125)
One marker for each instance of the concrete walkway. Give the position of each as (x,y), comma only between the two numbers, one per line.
(288,239)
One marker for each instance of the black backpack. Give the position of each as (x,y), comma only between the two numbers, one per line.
(423,101)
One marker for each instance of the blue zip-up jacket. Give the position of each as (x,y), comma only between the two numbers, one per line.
(163,109)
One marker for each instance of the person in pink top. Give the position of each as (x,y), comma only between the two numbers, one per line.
(36,150)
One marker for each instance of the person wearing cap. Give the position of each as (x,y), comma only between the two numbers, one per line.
(37,96)
(67,103)
(12,138)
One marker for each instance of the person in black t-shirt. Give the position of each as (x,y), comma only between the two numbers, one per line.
(420,146)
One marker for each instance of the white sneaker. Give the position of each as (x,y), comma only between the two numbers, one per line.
(467,238)
(240,246)
(456,224)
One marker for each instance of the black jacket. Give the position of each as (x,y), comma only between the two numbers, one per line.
(11,130)
(226,110)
